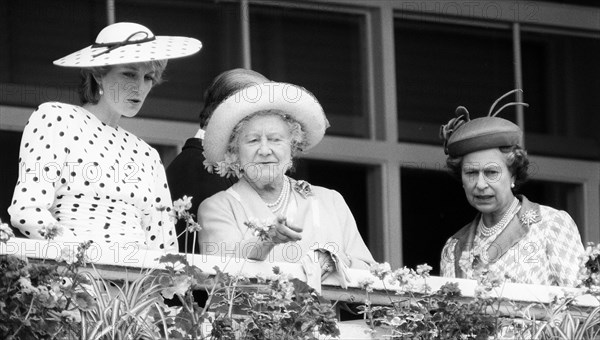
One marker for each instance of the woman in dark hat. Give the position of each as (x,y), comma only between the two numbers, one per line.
(86,178)
(523,241)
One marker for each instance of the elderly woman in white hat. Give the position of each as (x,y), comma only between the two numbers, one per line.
(255,134)
(85,178)
(511,237)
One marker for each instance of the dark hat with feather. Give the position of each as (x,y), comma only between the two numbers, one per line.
(462,135)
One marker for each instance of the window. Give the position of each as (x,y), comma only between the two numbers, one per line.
(440,66)
(9,158)
(321,51)
(560,79)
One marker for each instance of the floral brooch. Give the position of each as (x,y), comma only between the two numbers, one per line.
(529,217)
(303,188)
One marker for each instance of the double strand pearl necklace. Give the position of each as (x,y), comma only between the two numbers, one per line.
(283,197)
(487,232)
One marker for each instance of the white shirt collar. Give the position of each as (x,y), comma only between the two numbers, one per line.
(199,134)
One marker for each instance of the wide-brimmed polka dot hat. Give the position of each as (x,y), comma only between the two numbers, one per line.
(462,135)
(126,42)
(292,100)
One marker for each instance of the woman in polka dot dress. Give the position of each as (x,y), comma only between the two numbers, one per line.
(82,172)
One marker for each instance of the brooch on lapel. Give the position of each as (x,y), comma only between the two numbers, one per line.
(303,188)
(529,217)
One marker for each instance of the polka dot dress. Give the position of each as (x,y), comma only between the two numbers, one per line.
(98,182)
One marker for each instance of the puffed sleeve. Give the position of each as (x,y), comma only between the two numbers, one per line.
(355,247)
(563,248)
(42,156)
(220,234)
(447,261)
(160,229)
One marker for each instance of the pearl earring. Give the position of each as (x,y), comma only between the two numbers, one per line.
(101,92)
(512,185)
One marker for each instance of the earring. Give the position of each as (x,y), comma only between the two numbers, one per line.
(101,92)
(512,185)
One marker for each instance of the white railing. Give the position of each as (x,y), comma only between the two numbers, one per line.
(128,262)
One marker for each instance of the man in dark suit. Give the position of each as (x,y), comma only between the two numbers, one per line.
(186,175)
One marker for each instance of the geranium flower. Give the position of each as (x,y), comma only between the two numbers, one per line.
(68,255)
(367,284)
(193,226)
(5,233)
(26,286)
(423,270)
(260,229)
(180,285)
(183,204)
(51,231)
(403,276)
(380,270)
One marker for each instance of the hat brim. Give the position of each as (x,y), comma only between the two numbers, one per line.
(163,47)
(482,134)
(293,100)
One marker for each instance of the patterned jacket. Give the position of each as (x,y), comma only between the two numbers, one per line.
(540,245)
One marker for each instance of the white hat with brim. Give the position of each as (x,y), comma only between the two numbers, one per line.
(290,99)
(125,43)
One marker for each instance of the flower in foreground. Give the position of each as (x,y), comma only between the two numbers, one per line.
(380,270)
(51,231)
(5,233)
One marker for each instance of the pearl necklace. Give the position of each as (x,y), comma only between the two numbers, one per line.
(487,232)
(283,197)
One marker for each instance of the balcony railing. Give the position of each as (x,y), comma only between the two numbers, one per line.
(129,262)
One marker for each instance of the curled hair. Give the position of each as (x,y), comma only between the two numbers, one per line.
(516,161)
(297,135)
(89,87)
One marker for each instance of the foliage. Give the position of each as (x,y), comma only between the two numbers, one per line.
(238,307)
(43,301)
(59,300)
(427,315)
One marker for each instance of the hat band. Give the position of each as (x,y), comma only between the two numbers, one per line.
(114,45)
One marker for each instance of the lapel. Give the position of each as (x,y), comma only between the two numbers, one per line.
(516,230)
(513,233)
(465,238)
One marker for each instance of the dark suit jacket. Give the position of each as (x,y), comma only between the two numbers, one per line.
(186,175)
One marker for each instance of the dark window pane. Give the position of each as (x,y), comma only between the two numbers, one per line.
(560,76)
(322,51)
(434,207)
(33,33)
(441,66)
(9,158)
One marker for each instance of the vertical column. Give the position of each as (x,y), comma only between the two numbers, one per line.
(245,32)
(518,72)
(110,12)
(392,227)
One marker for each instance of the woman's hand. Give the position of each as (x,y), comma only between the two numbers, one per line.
(285,232)
(326,262)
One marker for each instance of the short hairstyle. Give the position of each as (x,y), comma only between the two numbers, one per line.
(225,85)
(297,134)
(516,160)
(89,87)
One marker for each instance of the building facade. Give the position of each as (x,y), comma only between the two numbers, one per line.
(388,73)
